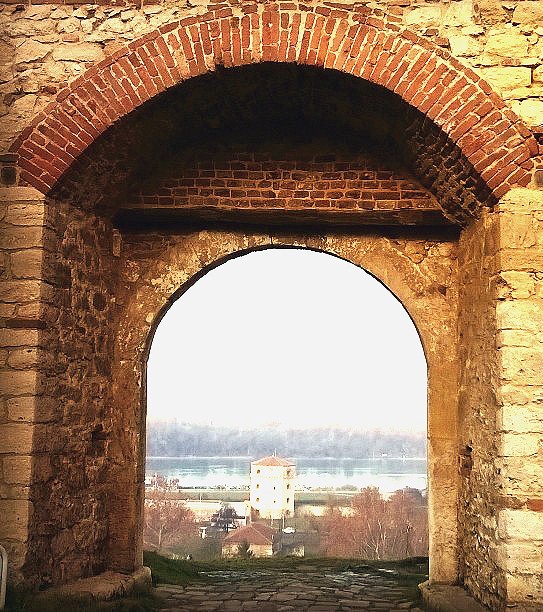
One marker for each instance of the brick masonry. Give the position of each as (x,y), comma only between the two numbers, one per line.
(355,42)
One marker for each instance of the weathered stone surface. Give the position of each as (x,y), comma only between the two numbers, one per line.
(19,337)
(531,111)
(79,52)
(30,51)
(27,263)
(528,13)
(520,445)
(20,291)
(521,525)
(507,77)
(17,470)
(521,419)
(18,383)
(25,214)
(275,591)
(507,44)
(14,517)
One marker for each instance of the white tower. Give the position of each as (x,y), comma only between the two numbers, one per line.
(272,487)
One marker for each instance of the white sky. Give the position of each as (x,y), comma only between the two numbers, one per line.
(288,337)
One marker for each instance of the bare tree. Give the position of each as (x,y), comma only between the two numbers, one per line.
(377,528)
(168,521)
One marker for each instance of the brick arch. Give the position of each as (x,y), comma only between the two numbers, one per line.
(463,105)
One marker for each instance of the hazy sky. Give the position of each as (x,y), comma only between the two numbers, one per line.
(288,337)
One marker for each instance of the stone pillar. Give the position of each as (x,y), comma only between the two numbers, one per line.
(519,418)
(22,296)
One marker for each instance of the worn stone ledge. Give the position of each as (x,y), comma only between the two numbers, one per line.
(108,585)
(449,598)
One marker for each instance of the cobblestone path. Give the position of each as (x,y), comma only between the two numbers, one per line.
(272,591)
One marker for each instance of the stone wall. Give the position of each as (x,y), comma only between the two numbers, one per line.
(478,372)
(519,418)
(55,386)
(69,524)
(500,423)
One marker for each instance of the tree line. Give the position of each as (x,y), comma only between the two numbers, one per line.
(167,439)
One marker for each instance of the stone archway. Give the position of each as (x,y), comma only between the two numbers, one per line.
(148,292)
(73,436)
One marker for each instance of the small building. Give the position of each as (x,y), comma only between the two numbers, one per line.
(272,487)
(259,538)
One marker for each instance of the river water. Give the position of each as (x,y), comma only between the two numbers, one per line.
(389,474)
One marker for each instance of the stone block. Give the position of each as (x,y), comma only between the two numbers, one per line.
(464,46)
(31,51)
(519,444)
(525,588)
(522,200)
(520,525)
(521,478)
(520,363)
(520,395)
(14,517)
(521,284)
(20,291)
(16,438)
(78,52)
(521,419)
(458,14)
(423,16)
(520,557)
(41,409)
(528,13)
(27,263)
(32,214)
(507,77)
(525,315)
(15,383)
(25,358)
(12,237)
(506,43)
(18,470)
(530,111)
(19,337)
(530,260)
(518,230)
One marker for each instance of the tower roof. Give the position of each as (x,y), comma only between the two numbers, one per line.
(272,460)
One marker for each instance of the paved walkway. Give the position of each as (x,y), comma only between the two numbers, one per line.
(273,591)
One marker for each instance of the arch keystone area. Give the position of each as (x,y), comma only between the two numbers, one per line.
(366,45)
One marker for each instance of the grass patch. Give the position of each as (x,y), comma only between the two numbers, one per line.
(27,600)
(172,571)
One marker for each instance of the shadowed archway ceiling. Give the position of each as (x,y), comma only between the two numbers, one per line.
(285,107)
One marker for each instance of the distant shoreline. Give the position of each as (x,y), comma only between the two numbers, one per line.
(248,457)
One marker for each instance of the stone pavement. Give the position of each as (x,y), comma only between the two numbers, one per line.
(273,591)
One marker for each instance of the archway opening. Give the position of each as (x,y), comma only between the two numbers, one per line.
(286,389)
